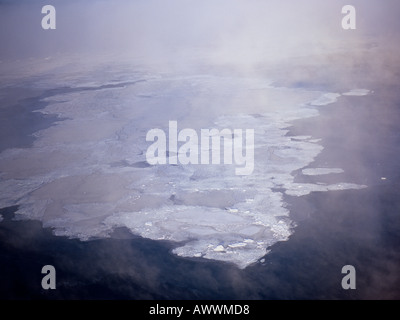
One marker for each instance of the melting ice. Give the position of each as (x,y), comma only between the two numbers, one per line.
(88,174)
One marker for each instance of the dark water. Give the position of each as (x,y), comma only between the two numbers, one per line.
(338,231)
(337,228)
(17,121)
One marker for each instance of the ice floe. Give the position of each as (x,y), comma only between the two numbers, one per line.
(357,92)
(320,171)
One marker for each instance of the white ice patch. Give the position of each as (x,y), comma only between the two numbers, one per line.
(357,92)
(320,171)
(302,189)
(88,174)
(1,218)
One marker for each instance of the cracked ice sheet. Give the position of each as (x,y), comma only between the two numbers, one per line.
(87,175)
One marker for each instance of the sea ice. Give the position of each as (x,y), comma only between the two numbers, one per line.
(87,175)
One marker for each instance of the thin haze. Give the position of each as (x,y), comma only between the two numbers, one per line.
(223,32)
